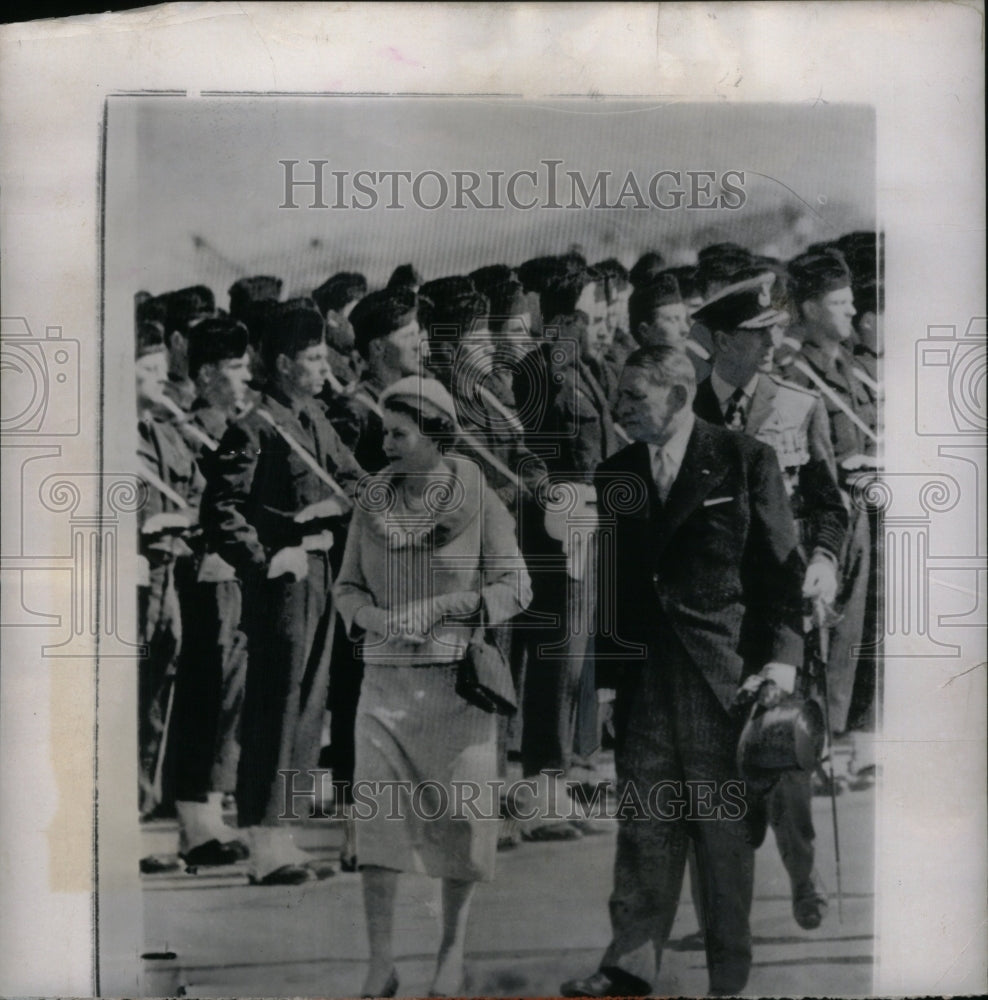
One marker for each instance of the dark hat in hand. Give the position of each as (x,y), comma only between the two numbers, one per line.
(788,736)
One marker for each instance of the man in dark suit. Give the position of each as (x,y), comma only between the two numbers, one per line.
(699,598)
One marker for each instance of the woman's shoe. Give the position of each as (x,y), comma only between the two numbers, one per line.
(285,875)
(389,989)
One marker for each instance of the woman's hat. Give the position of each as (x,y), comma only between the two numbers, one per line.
(429,396)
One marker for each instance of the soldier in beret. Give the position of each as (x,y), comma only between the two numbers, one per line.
(617,290)
(392,344)
(791,419)
(510,324)
(336,298)
(174,486)
(660,317)
(245,292)
(648,265)
(183,308)
(820,286)
(276,503)
(209,683)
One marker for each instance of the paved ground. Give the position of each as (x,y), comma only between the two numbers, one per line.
(542,920)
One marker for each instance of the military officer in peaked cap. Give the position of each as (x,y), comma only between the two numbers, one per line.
(280,489)
(739,394)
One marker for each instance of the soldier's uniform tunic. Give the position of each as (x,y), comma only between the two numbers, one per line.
(847,440)
(209,687)
(249,510)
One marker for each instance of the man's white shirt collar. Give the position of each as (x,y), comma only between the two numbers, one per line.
(675,448)
(724,390)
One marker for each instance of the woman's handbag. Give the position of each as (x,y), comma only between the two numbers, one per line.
(483,676)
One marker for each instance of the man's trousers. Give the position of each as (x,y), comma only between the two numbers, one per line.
(209,693)
(290,635)
(673,729)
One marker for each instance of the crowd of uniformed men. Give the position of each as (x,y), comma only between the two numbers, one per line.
(257,420)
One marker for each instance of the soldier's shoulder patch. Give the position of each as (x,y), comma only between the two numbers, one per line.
(804,392)
(785,383)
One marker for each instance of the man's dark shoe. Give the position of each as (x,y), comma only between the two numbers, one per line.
(213,853)
(157,864)
(610,982)
(809,903)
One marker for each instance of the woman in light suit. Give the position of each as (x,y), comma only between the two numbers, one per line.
(429,541)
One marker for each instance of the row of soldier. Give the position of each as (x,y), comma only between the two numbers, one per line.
(257,422)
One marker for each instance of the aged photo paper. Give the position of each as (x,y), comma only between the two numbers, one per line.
(537,447)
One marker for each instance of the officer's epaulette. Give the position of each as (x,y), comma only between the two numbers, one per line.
(786,384)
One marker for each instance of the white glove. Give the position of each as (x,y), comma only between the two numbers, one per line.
(821,580)
(330,507)
(858,461)
(291,561)
(414,621)
(166,520)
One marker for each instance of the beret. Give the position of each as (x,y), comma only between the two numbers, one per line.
(440,289)
(815,273)
(537,272)
(491,275)
(258,288)
(646,268)
(215,339)
(337,292)
(290,327)
(722,250)
(720,267)
(380,313)
(427,395)
(186,305)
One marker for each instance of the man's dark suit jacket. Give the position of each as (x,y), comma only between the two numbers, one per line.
(718,562)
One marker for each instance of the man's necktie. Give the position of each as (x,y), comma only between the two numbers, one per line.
(662,472)
(736,410)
